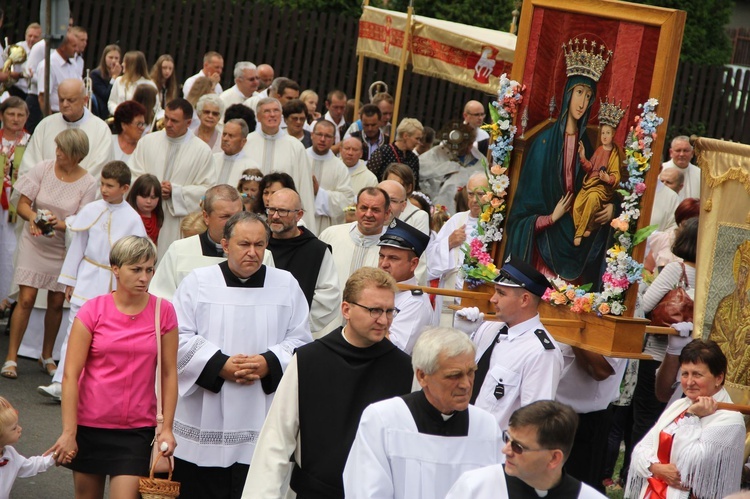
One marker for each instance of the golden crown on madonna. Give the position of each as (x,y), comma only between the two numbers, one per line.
(586,58)
(610,113)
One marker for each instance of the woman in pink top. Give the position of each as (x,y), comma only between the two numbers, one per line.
(108,397)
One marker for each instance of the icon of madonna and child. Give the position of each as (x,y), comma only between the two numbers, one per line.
(566,194)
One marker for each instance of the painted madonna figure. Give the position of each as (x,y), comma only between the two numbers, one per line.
(540,225)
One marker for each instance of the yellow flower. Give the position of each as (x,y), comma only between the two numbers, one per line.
(491,267)
(485,217)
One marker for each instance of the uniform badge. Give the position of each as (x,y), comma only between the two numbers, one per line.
(546,342)
(499,391)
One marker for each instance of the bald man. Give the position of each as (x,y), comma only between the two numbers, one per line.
(397,193)
(73,114)
(474,117)
(297,250)
(265,77)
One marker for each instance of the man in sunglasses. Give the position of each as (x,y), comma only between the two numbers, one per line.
(325,388)
(537,444)
(518,361)
(418,445)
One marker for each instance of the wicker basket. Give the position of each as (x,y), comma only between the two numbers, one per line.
(158,488)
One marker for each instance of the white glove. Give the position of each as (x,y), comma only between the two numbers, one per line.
(684,328)
(675,344)
(471,314)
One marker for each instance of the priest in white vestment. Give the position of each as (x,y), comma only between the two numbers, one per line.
(201,250)
(182,162)
(240,323)
(355,245)
(333,191)
(73,114)
(537,445)
(245,84)
(681,153)
(359,175)
(444,251)
(416,446)
(275,151)
(232,161)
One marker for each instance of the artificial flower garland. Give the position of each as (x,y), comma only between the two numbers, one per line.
(622,270)
(478,266)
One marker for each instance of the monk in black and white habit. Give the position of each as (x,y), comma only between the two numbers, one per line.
(324,391)
(240,323)
(416,446)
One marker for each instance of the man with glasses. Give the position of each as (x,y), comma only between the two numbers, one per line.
(182,162)
(73,114)
(474,115)
(245,84)
(275,151)
(297,250)
(537,445)
(418,445)
(201,250)
(331,185)
(325,388)
(518,361)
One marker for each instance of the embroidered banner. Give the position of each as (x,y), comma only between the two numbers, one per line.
(469,56)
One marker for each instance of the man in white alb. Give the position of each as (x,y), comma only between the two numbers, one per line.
(232,161)
(213,65)
(181,161)
(240,323)
(275,151)
(73,114)
(681,152)
(333,191)
(245,84)
(359,175)
(201,250)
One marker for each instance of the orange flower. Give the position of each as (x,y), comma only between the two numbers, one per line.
(603,308)
(496,202)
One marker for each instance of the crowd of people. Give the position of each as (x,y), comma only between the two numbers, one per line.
(266,253)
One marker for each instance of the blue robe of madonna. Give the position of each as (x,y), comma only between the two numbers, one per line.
(540,186)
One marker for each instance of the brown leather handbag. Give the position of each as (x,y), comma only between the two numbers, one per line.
(675,306)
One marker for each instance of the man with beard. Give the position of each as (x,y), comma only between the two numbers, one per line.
(297,250)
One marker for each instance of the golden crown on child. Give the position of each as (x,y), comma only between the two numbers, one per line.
(610,113)
(584,61)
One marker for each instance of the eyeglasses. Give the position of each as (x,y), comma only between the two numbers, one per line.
(212,113)
(515,446)
(477,115)
(323,135)
(282,213)
(140,124)
(375,313)
(298,119)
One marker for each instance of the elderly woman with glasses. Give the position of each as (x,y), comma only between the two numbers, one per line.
(210,108)
(128,126)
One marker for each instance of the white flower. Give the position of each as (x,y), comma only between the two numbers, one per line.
(616,308)
(504,124)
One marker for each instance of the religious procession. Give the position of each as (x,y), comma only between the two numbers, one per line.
(535,290)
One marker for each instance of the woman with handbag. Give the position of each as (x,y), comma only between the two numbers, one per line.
(109,407)
(666,288)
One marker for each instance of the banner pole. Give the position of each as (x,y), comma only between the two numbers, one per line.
(401,68)
(360,73)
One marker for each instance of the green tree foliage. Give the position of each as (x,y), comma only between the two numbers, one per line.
(705,40)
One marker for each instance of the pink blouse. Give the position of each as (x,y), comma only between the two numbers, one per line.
(116,387)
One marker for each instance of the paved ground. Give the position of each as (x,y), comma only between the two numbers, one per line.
(40,419)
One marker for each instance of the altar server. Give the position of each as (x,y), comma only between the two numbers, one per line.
(417,445)
(275,151)
(181,161)
(240,323)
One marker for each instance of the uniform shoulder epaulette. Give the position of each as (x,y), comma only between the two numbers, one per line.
(541,335)
(417,292)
